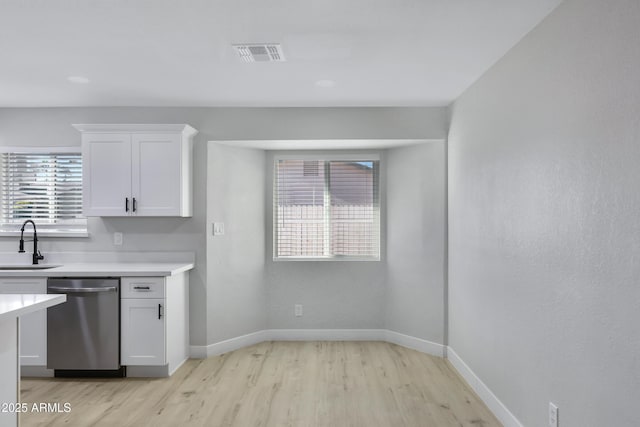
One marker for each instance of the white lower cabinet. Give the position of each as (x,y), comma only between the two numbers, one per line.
(153,324)
(143,332)
(33,326)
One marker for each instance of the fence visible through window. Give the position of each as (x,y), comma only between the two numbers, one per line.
(326,209)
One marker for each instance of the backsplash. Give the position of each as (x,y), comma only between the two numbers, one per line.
(14,258)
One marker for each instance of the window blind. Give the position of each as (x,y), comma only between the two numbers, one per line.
(326,209)
(44,187)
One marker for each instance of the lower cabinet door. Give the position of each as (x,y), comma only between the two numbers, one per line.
(33,339)
(33,326)
(142,332)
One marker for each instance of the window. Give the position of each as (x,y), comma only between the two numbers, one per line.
(44,187)
(326,209)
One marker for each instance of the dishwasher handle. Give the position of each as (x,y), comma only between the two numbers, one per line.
(83,290)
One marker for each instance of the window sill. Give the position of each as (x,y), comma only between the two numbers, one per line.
(46,233)
(324,259)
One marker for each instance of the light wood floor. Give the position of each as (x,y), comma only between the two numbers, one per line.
(297,384)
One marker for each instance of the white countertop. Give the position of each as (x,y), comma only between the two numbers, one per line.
(14,305)
(114,269)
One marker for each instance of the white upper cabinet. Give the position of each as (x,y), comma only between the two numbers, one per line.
(106,173)
(156,183)
(137,170)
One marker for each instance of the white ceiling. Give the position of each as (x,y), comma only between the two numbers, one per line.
(178,53)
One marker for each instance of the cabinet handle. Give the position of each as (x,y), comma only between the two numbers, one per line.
(146,288)
(134,204)
(57,289)
(126,204)
(159,311)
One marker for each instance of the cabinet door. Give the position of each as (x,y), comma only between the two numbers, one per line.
(106,173)
(142,332)
(156,174)
(33,326)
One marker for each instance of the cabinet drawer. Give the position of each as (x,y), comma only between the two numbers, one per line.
(142,287)
(23,285)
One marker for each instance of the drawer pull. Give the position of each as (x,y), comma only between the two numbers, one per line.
(141,288)
(56,289)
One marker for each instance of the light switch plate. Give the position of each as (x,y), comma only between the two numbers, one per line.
(553,415)
(218,228)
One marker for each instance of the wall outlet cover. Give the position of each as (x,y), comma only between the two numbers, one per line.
(117,238)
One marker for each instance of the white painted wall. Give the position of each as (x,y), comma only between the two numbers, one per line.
(236,291)
(543,216)
(52,126)
(416,214)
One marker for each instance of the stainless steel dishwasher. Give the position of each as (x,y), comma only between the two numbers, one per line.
(83,335)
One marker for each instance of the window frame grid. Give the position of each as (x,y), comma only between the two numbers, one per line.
(376,203)
(76,227)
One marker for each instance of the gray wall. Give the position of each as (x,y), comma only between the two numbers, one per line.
(543,216)
(404,291)
(236,298)
(52,126)
(334,294)
(416,215)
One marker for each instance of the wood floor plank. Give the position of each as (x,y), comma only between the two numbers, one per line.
(309,384)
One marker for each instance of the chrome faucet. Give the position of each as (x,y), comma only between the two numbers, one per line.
(36,253)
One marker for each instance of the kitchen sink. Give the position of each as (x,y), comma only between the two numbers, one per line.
(28,267)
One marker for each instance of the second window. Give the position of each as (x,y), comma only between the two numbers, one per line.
(326,209)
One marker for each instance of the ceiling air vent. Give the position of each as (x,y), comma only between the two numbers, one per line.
(269,52)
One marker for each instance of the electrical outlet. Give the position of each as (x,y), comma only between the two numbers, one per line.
(297,309)
(117,239)
(218,228)
(553,415)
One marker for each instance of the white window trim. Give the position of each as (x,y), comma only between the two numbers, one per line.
(331,157)
(44,230)
(365,156)
(45,233)
(340,258)
(43,149)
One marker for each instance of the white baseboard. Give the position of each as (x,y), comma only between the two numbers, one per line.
(201,352)
(414,343)
(215,349)
(325,334)
(495,405)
